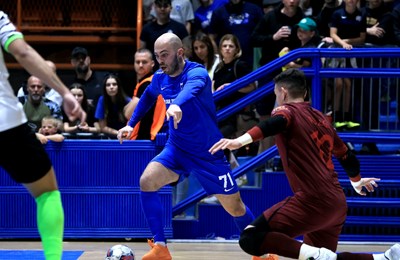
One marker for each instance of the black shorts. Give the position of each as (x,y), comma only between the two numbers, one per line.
(23,156)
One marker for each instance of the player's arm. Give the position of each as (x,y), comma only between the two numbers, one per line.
(196,82)
(351,165)
(146,101)
(269,127)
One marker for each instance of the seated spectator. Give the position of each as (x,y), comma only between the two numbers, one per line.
(91,125)
(50,130)
(153,121)
(203,14)
(36,106)
(203,53)
(49,92)
(111,106)
(379,24)
(324,19)
(307,33)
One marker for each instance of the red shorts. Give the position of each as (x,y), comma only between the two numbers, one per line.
(319,218)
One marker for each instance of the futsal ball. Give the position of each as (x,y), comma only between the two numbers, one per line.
(120,252)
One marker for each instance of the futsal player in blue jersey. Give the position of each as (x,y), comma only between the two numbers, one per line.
(186,89)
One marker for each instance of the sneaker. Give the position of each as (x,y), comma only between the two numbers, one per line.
(393,253)
(339,125)
(350,124)
(324,254)
(157,252)
(266,257)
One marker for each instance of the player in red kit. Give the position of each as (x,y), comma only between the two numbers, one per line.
(306,142)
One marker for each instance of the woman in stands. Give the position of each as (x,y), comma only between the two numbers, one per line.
(111,106)
(91,125)
(203,53)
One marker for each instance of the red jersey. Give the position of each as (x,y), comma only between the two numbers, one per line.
(306,147)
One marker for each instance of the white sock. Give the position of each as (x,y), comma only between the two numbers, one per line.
(379,257)
(161,243)
(307,251)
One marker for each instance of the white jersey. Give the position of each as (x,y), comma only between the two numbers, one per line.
(11,111)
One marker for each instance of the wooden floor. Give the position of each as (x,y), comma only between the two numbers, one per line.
(180,250)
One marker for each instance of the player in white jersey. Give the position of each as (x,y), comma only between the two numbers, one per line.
(23,156)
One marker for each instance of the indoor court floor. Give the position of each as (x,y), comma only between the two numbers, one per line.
(180,249)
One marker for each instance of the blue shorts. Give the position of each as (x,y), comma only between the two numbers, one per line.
(215,175)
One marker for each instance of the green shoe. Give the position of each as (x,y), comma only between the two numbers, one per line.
(350,124)
(338,125)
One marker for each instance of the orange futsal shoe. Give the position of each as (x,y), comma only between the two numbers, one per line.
(157,252)
(266,257)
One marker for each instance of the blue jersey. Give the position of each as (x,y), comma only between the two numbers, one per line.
(191,91)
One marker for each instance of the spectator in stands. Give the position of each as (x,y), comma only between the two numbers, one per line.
(324,19)
(379,23)
(153,121)
(163,24)
(49,92)
(348,28)
(89,78)
(272,34)
(203,53)
(91,125)
(308,35)
(51,130)
(36,106)
(237,17)
(203,14)
(231,68)
(396,24)
(111,106)
(182,12)
(269,5)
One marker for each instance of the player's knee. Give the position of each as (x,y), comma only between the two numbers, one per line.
(249,241)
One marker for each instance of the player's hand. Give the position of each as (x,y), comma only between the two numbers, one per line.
(369,184)
(124,133)
(72,108)
(231,144)
(175,112)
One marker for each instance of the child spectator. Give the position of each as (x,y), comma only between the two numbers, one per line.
(307,33)
(50,130)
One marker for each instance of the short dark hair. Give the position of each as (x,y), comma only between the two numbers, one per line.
(162,2)
(294,81)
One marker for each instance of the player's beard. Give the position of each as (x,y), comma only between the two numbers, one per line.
(174,66)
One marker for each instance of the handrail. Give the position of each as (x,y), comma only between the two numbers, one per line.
(317,72)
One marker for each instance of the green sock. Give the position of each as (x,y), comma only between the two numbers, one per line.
(50,221)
